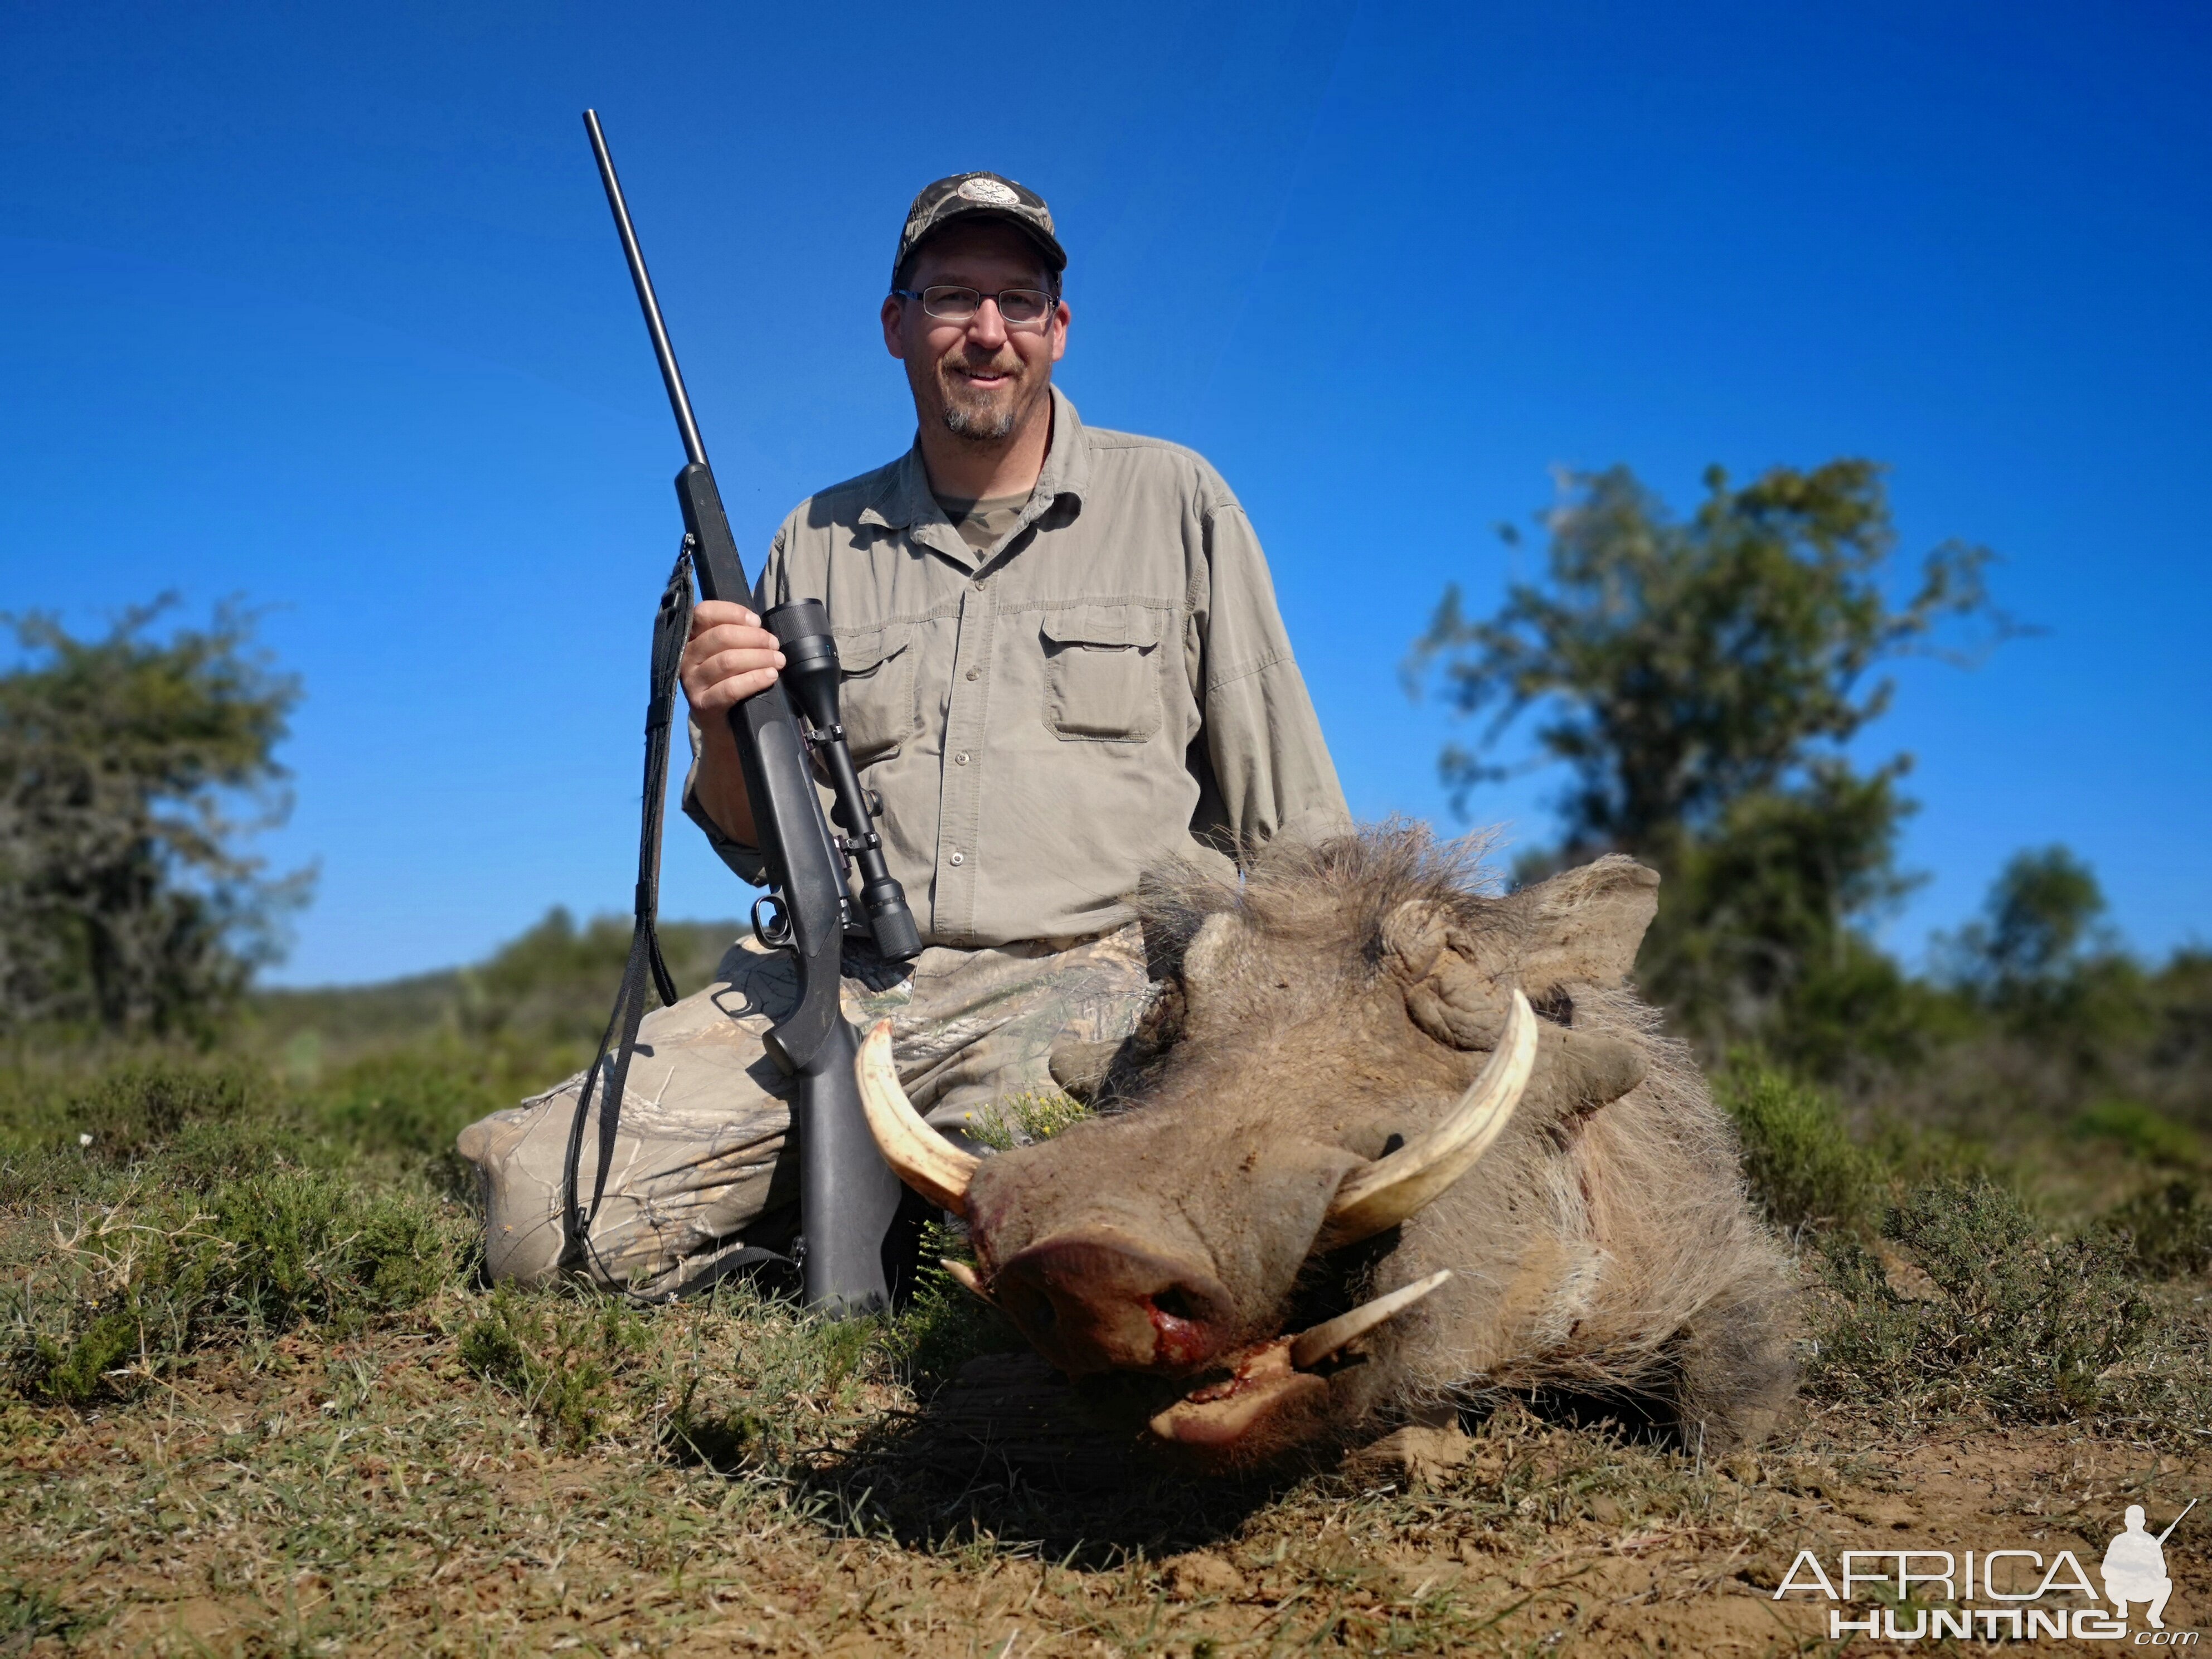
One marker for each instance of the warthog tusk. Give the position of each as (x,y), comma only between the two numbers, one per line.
(1309,1348)
(918,1155)
(970,1280)
(1392,1189)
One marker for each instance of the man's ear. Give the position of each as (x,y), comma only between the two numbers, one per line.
(894,316)
(1584,926)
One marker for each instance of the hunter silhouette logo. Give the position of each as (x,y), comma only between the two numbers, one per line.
(2135,1567)
(2009,1594)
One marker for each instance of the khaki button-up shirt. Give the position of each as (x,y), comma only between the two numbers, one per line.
(1107,687)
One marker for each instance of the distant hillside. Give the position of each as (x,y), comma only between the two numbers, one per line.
(551,987)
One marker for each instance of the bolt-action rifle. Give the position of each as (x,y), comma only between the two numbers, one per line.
(848,1199)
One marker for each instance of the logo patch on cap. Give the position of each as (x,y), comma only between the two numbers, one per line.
(988,192)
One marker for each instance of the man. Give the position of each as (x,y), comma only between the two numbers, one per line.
(1062,664)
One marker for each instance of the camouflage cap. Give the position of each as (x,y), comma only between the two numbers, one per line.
(978,195)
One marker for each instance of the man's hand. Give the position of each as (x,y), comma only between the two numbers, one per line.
(728,657)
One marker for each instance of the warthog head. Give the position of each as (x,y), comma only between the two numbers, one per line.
(1326,1163)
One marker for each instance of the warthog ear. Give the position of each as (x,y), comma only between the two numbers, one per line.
(1446,996)
(1096,1072)
(1584,926)
(1210,948)
(1080,1067)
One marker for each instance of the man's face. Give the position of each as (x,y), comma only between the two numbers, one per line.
(980,380)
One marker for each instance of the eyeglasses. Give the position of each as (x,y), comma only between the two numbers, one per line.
(1021,307)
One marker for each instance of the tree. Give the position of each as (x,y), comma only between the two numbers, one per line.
(2044,960)
(2043,915)
(131,771)
(1701,680)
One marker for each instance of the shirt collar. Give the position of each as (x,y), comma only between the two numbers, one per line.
(1067,467)
(903,501)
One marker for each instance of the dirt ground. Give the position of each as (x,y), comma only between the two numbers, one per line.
(375,1496)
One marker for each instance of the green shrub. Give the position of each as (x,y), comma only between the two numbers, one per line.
(2020,1325)
(2142,1132)
(2168,1231)
(1802,1163)
(407,1101)
(158,1274)
(131,1106)
(75,1368)
(1019,1120)
(298,1245)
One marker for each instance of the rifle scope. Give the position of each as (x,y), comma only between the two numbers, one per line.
(810,669)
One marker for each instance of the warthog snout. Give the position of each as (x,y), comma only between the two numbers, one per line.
(1099,1300)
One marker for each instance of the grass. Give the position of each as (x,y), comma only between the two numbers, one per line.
(255,1401)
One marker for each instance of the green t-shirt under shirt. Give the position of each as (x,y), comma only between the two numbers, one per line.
(982,523)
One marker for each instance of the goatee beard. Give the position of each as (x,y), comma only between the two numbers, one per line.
(975,416)
(984,425)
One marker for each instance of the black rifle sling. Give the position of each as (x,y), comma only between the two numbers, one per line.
(671,626)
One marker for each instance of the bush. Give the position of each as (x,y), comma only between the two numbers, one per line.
(2168,1231)
(152,1277)
(1802,1163)
(2014,1322)
(413,1103)
(132,1105)
(2142,1132)
(1022,1119)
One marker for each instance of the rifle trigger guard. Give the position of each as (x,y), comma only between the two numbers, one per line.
(774,930)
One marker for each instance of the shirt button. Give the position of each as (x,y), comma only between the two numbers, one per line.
(958,857)
(975,673)
(961,759)
(978,584)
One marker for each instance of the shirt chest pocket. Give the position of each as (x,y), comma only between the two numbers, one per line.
(1101,674)
(876,700)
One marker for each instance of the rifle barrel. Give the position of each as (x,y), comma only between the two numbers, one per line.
(2176,1521)
(678,400)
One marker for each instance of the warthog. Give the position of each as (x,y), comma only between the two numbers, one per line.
(1427,1130)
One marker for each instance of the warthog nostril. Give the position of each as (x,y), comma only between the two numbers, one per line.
(1175,1305)
(1099,1298)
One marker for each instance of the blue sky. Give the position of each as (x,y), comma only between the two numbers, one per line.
(320,306)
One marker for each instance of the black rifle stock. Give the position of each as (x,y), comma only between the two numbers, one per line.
(848,1197)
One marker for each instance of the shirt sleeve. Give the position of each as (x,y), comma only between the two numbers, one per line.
(747,861)
(1272,772)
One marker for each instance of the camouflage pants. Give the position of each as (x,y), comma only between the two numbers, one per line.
(699,1169)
